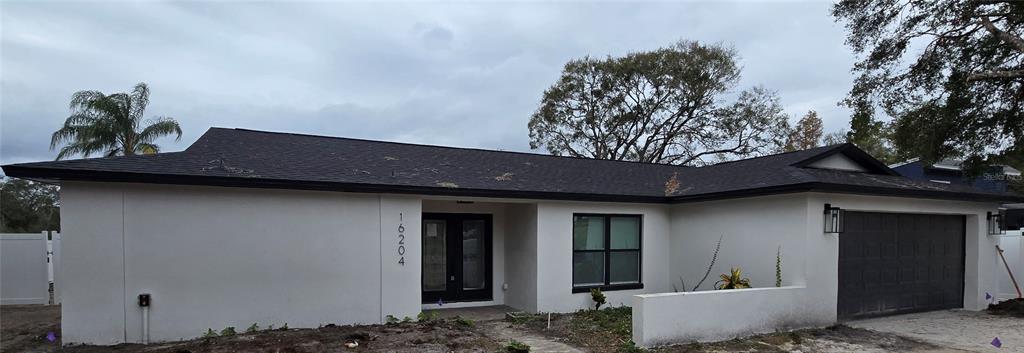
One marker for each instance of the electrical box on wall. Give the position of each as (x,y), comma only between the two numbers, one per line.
(144,300)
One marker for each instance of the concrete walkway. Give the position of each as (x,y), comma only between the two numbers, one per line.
(959,329)
(492,320)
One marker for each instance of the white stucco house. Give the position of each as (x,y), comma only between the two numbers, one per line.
(248,226)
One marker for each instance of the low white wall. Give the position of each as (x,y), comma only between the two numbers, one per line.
(720,315)
(23,269)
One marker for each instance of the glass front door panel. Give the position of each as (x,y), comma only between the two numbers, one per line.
(474,266)
(435,255)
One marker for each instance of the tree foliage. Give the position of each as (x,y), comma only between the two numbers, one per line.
(28,207)
(666,106)
(950,73)
(806,134)
(111,124)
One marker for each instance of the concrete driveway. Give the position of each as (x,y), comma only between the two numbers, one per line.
(958,329)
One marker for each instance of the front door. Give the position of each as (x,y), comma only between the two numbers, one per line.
(456,257)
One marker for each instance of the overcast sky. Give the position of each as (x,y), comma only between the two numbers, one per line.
(439,73)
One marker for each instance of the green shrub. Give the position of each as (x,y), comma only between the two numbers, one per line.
(210,333)
(391,320)
(733,280)
(630,347)
(514,346)
(406,319)
(253,328)
(228,331)
(598,298)
(464,321)
(426,316)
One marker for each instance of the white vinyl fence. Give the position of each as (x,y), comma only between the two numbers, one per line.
(1013,250)
(26,267)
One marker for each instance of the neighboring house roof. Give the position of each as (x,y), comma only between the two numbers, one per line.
(247,158)
(950,172)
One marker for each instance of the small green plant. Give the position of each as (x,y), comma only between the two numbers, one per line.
(426,316)
(210,333)
(228,331)
(733,280)
(514,346)
(284,327)
(778,267)
(253,328)
(464,321)
(795,337)
(598,298)
(391,320)
(630,347)
(406,319)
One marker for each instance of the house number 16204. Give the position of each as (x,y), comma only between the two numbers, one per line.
(401,241)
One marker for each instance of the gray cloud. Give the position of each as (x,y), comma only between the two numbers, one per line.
(458,74)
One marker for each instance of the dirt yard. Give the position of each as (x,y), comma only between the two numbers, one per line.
(24,329)
(609,331)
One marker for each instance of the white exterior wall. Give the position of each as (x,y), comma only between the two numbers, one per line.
(753,229)
(554,253)
(215,257)
(521,257)
(93,300)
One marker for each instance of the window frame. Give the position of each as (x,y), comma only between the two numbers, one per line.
(607,251)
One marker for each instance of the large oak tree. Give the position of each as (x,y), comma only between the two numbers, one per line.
(950,73)
(671,105)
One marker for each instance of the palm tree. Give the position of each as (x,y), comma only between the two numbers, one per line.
(110,124)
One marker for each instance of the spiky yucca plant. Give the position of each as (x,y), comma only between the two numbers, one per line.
(733,280)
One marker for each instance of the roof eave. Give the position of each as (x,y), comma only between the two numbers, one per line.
(262,183)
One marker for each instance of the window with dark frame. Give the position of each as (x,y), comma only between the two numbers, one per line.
(606,252)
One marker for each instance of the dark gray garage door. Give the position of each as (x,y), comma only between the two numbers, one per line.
(899,263)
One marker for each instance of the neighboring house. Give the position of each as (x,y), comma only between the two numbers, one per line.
(248,226)
(995,179)
(949,172)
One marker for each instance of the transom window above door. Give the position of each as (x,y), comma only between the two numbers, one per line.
(606,252)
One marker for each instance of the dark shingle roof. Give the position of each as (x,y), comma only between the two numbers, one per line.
(236,157)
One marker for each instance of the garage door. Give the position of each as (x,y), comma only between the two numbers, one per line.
(900,263)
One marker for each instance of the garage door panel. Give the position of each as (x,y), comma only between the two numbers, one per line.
(900,263)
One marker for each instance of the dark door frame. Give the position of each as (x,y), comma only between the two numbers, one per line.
(453,233)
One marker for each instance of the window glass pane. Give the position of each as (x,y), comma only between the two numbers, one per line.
(625,232)
(587,268)
(474,250)
(435,257)
(624,267)
(588,233)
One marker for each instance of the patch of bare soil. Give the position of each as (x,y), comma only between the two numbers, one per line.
(1010,307)
(610,330)
(440,336)
(23,328)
